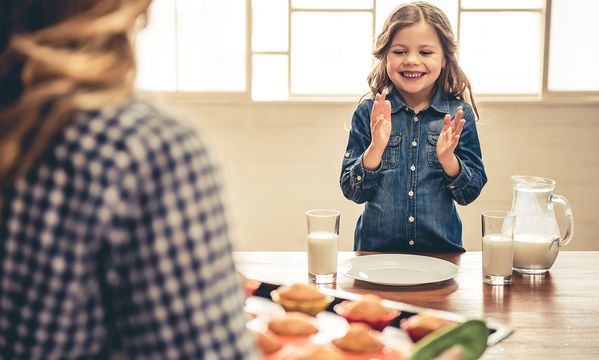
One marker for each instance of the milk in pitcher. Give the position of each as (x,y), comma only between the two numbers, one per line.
(536,232)
(534,253)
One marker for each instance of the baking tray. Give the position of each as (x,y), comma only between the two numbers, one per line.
(497,330)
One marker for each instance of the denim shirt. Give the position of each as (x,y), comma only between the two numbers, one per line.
(409,201)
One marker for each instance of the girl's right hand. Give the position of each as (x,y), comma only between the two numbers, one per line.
(380,130)
(380,122)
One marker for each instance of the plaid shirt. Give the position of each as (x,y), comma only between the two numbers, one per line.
(117,241)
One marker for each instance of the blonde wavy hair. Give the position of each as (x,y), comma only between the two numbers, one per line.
(56,58)
(452,81)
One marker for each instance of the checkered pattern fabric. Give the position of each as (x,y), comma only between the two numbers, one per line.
(117,242)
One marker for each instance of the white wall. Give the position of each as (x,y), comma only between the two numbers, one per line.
(280,159)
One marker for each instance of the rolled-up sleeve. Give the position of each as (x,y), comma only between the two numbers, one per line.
(467,186)
(357,183)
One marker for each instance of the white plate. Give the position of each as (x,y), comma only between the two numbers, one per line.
(398,269)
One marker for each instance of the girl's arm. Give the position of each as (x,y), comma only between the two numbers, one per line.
(471,177)
(380,130)
(358,183)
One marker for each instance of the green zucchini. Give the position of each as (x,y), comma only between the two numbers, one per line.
(471,335)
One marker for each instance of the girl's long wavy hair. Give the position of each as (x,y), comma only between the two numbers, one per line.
(58,57)
(452,81)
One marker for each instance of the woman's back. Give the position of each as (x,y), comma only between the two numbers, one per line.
(117,239)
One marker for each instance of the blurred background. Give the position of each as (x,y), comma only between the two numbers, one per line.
(272,85)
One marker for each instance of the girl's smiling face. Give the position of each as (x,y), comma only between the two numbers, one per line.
(414,62)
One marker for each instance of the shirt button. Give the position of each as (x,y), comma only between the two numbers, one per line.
(411,242)
(414,143)
(415,118)
(411,193)
(411,218)
(358,177)
(452,186)
(413,167)
(347,154)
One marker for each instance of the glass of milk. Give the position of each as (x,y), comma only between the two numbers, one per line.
(498,246)
(322,243)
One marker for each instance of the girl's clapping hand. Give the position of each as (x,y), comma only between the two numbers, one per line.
(380,121)
(448,141)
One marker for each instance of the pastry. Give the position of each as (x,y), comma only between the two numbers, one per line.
(368,310)
(360,339)
(368,307)
(300,292)
(422,324)
(301,297)
(293,324)
(267,342)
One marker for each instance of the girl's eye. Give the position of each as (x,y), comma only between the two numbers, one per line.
(426,53)
(399,52)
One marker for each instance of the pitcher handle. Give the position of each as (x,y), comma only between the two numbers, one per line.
(558,199)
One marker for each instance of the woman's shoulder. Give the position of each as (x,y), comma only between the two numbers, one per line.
(140,118)
(133,132)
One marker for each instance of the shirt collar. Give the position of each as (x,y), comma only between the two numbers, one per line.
(439,103)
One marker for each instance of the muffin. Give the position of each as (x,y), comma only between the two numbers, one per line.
(367,310)
(422,324)
(267,343)
(293,324)
(360,339)
(301,297)
(320,352)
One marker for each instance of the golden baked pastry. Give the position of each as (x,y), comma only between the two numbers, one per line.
(320,352)
(293,324)
(422,324)
(368,310)
(369,307)
(360,339)
(301,297)
(300,292)
(267,342)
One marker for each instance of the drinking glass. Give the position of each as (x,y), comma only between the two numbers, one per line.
(322,242)
(498,246)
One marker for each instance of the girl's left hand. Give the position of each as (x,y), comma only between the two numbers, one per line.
(449,138)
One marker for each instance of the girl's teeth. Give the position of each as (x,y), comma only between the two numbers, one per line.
(412,75)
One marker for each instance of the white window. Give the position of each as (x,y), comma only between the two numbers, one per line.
(329,59)
(194,45)
(574,46)
(277,50)
(501,46)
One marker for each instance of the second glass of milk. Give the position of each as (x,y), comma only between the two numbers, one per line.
(498,246)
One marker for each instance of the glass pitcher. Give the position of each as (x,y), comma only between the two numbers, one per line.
(536,233)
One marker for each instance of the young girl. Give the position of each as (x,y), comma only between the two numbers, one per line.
(413,149)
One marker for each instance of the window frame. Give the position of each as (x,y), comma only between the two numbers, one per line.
(544,96)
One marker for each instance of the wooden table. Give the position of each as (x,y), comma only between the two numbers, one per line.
(555,316)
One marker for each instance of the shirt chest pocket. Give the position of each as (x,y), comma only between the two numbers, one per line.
(390,158)
(431,150)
